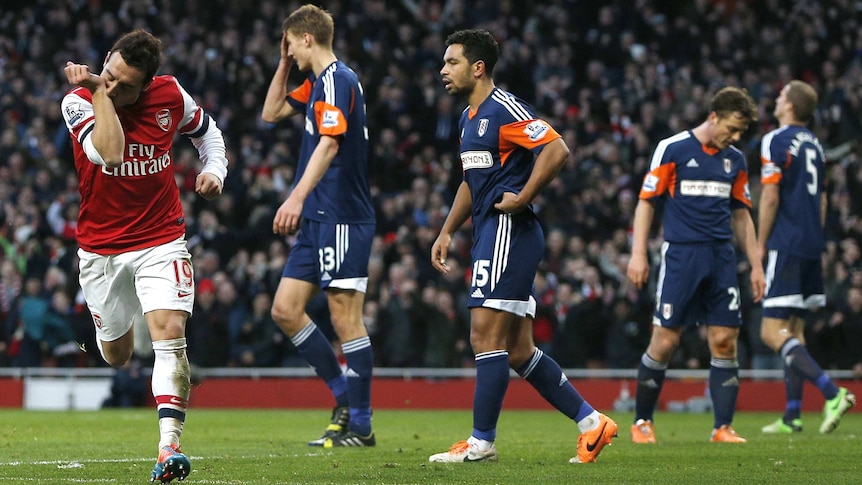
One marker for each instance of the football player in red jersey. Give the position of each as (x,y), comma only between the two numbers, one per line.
(134,264)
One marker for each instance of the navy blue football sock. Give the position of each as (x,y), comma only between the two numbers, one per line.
(360,364)
(650,380)
(492,380)
(544,374)
(793,382)
(316,350)
(724,389)
(796,356)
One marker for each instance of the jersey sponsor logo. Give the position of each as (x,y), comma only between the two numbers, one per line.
(483,127)
(330,118)
(692,163)
(184,294)
(74,113)
(140,168)
(704,188)
(727,165)
(476,159)
(163,118)
(536,130)
(97,320)
(650,182)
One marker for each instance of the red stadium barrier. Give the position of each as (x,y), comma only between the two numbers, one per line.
(452,393)
(393,393)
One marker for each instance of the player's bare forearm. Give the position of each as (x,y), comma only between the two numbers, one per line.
(638,268)
(548,164)
(319,162)
(462,206)
(769,199)
(743,228)
(275,106)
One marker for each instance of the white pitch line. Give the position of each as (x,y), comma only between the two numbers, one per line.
(77,463)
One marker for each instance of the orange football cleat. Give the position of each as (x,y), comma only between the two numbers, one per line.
(642,432)
(590,443)
(726,434)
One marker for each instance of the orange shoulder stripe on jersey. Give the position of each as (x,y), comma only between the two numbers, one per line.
(302,93)
(330,120)
(658,181)
(527,134)
(739,185)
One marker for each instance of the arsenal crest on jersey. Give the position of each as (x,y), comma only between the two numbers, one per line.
(163,118)
(483,126)
(727,165)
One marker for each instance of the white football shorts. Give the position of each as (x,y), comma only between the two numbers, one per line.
(121,288)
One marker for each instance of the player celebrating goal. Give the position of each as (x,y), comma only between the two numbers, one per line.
(133,259)
(508,156)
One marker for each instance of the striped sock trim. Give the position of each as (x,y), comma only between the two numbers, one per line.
(356,344)
(492,354)
(303,334)
(531,365)
(724,363)
(651,363)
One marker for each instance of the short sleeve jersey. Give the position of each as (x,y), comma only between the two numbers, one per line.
(334,105)
(698,186)
(136,205)
(792,158)
(499,142)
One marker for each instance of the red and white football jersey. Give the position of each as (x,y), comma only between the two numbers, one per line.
(136,205)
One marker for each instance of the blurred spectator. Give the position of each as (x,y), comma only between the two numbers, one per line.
(208,329)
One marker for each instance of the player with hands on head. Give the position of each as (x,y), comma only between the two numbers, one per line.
(134,264)
(701,180)
(508,156)
(329,209)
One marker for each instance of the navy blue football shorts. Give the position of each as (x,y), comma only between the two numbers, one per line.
(697,284)
(506,253)
(331,255)
(794,285)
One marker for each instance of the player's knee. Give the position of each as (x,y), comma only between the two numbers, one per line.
(116,356)
(286,318)
(770,337)
(724,348)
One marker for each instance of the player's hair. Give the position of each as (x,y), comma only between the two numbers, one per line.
(732,100)
(803,97)
(313,20)
(479,45)
(141,50)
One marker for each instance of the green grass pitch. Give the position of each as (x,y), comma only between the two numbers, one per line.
(268,447)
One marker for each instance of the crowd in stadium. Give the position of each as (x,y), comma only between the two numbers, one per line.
(612,77)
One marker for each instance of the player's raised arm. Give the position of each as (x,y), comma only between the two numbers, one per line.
(107,138)
(275,106)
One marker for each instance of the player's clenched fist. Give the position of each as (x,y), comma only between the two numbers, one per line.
(80,75)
